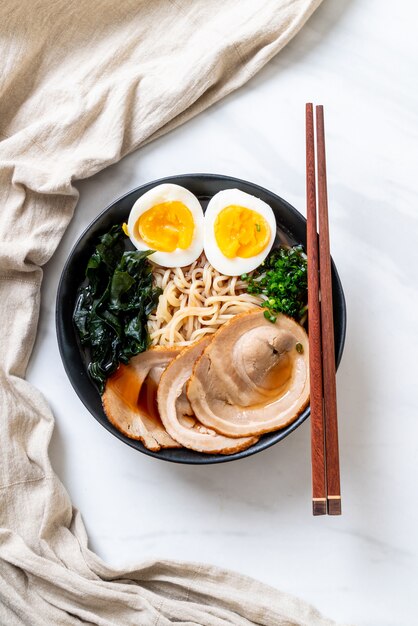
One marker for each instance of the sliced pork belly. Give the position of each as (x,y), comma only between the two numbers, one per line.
(130,398)
(177,414)
(253,377)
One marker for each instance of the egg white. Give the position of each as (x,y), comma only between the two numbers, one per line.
(168,193)
(237,265)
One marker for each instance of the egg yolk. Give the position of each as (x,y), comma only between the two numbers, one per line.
(166,226)
(241,232)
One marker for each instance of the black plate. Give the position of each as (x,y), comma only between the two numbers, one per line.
(290,223)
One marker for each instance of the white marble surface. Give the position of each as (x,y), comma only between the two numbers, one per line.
(358,58)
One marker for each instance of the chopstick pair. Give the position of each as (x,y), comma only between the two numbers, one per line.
(326,491)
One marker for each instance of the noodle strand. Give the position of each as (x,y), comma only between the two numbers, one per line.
(195,301)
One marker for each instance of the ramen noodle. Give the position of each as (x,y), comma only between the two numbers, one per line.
(195,301)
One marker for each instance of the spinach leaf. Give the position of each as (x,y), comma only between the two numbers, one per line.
(113,306)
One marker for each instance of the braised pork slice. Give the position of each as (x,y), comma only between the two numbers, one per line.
(130,398)
(253,376)
(177,414)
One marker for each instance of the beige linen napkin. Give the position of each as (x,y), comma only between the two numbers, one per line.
(83,84)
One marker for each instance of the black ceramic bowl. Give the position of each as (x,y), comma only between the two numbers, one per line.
(291,225)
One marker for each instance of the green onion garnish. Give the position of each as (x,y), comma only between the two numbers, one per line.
(271,318)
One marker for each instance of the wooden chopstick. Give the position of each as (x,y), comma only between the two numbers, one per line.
(326,490)
(319,492)
(327,328)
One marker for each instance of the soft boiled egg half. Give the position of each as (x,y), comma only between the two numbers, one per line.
(239,232)
(168,219)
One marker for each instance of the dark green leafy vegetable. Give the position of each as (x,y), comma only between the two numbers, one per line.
(282,278)
(112,309)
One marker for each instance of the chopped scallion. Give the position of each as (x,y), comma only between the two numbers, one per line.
(282,279)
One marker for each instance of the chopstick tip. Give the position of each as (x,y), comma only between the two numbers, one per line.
(334,505)
(319,506)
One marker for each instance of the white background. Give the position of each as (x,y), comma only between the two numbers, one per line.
(359,59)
